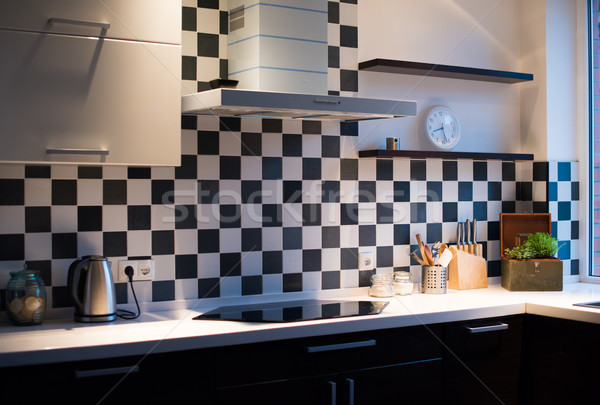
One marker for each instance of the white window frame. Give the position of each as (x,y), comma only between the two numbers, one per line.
(584,138)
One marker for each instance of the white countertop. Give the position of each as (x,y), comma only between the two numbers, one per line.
(169,330)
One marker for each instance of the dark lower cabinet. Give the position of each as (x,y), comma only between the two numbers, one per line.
(165,378)
(483,361)
(508,360)
(419,382)
(358,368)
(564,361)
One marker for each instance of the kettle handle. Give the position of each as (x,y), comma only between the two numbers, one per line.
(74,274)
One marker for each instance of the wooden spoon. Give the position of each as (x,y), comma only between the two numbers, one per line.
(428,255)
(443,247)
(421,248)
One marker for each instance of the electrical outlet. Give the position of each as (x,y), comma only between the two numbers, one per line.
(122,265)
(366,261)
(145,270)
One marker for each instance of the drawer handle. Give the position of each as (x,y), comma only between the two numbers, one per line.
(350,382)
(340,346)
(333,390)
(55,20)
(326,101)
(490,328)
(106,371)
(75,151)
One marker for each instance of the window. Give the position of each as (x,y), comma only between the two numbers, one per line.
(594,59)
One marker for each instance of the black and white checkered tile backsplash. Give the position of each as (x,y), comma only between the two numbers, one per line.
(265,206)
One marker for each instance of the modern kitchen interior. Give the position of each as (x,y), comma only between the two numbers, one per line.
(314,202)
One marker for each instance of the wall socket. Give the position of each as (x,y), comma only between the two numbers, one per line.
(143,270)
(366,260)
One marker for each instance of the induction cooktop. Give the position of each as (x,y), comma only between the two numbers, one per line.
(595,304)
(292,311)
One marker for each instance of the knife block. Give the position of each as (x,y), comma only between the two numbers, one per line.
(466,271)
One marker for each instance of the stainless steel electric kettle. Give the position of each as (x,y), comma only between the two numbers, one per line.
(93,291)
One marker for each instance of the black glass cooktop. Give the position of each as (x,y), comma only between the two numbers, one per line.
(292,311)
(595,304)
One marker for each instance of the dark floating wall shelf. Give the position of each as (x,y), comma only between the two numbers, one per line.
(422,154)
(447,71)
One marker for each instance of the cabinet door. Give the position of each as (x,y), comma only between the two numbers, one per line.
(165,378)
(138,20)
(419,382)
(483,361)
(299,391)
(563,361)
(111,102)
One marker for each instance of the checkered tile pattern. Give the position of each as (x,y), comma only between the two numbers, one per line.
(554,187)
(204,45)
(563,202)
(260,206)
(342,72)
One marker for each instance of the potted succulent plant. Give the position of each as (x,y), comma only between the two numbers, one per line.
(532,265)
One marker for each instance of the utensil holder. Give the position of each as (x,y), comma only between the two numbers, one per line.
(434,280)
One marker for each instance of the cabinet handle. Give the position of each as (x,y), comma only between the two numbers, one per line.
(333,390)
(55,20)
(341,346)
(490,328)
(106,371)
(75,151)
(350,391)
(326,101)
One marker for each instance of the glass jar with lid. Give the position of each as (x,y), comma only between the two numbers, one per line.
(25,297)
(402,283)
(381,285)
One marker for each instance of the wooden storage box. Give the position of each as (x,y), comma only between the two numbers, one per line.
(527,275)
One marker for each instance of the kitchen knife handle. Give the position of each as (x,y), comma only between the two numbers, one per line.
(340,346)
(468,229)
(489,328)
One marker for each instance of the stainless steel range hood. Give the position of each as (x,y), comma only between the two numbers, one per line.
(258,103)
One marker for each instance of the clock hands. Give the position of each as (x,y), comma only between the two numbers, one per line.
(443,132)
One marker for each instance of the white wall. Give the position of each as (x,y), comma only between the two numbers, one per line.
(533,36)
(473,33)
(561,57)
(533,125)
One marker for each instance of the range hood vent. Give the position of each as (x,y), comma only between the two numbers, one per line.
(258,103)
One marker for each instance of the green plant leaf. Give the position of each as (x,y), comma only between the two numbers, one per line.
(542,244)
(522,252)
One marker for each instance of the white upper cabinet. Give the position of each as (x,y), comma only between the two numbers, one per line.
(138,20)
(70,97)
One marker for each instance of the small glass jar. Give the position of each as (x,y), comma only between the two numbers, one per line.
(381,286)
(25,297)
(402,283)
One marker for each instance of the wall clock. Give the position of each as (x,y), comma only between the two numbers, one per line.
(441,127)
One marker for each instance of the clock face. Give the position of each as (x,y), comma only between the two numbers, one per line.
(442,127)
